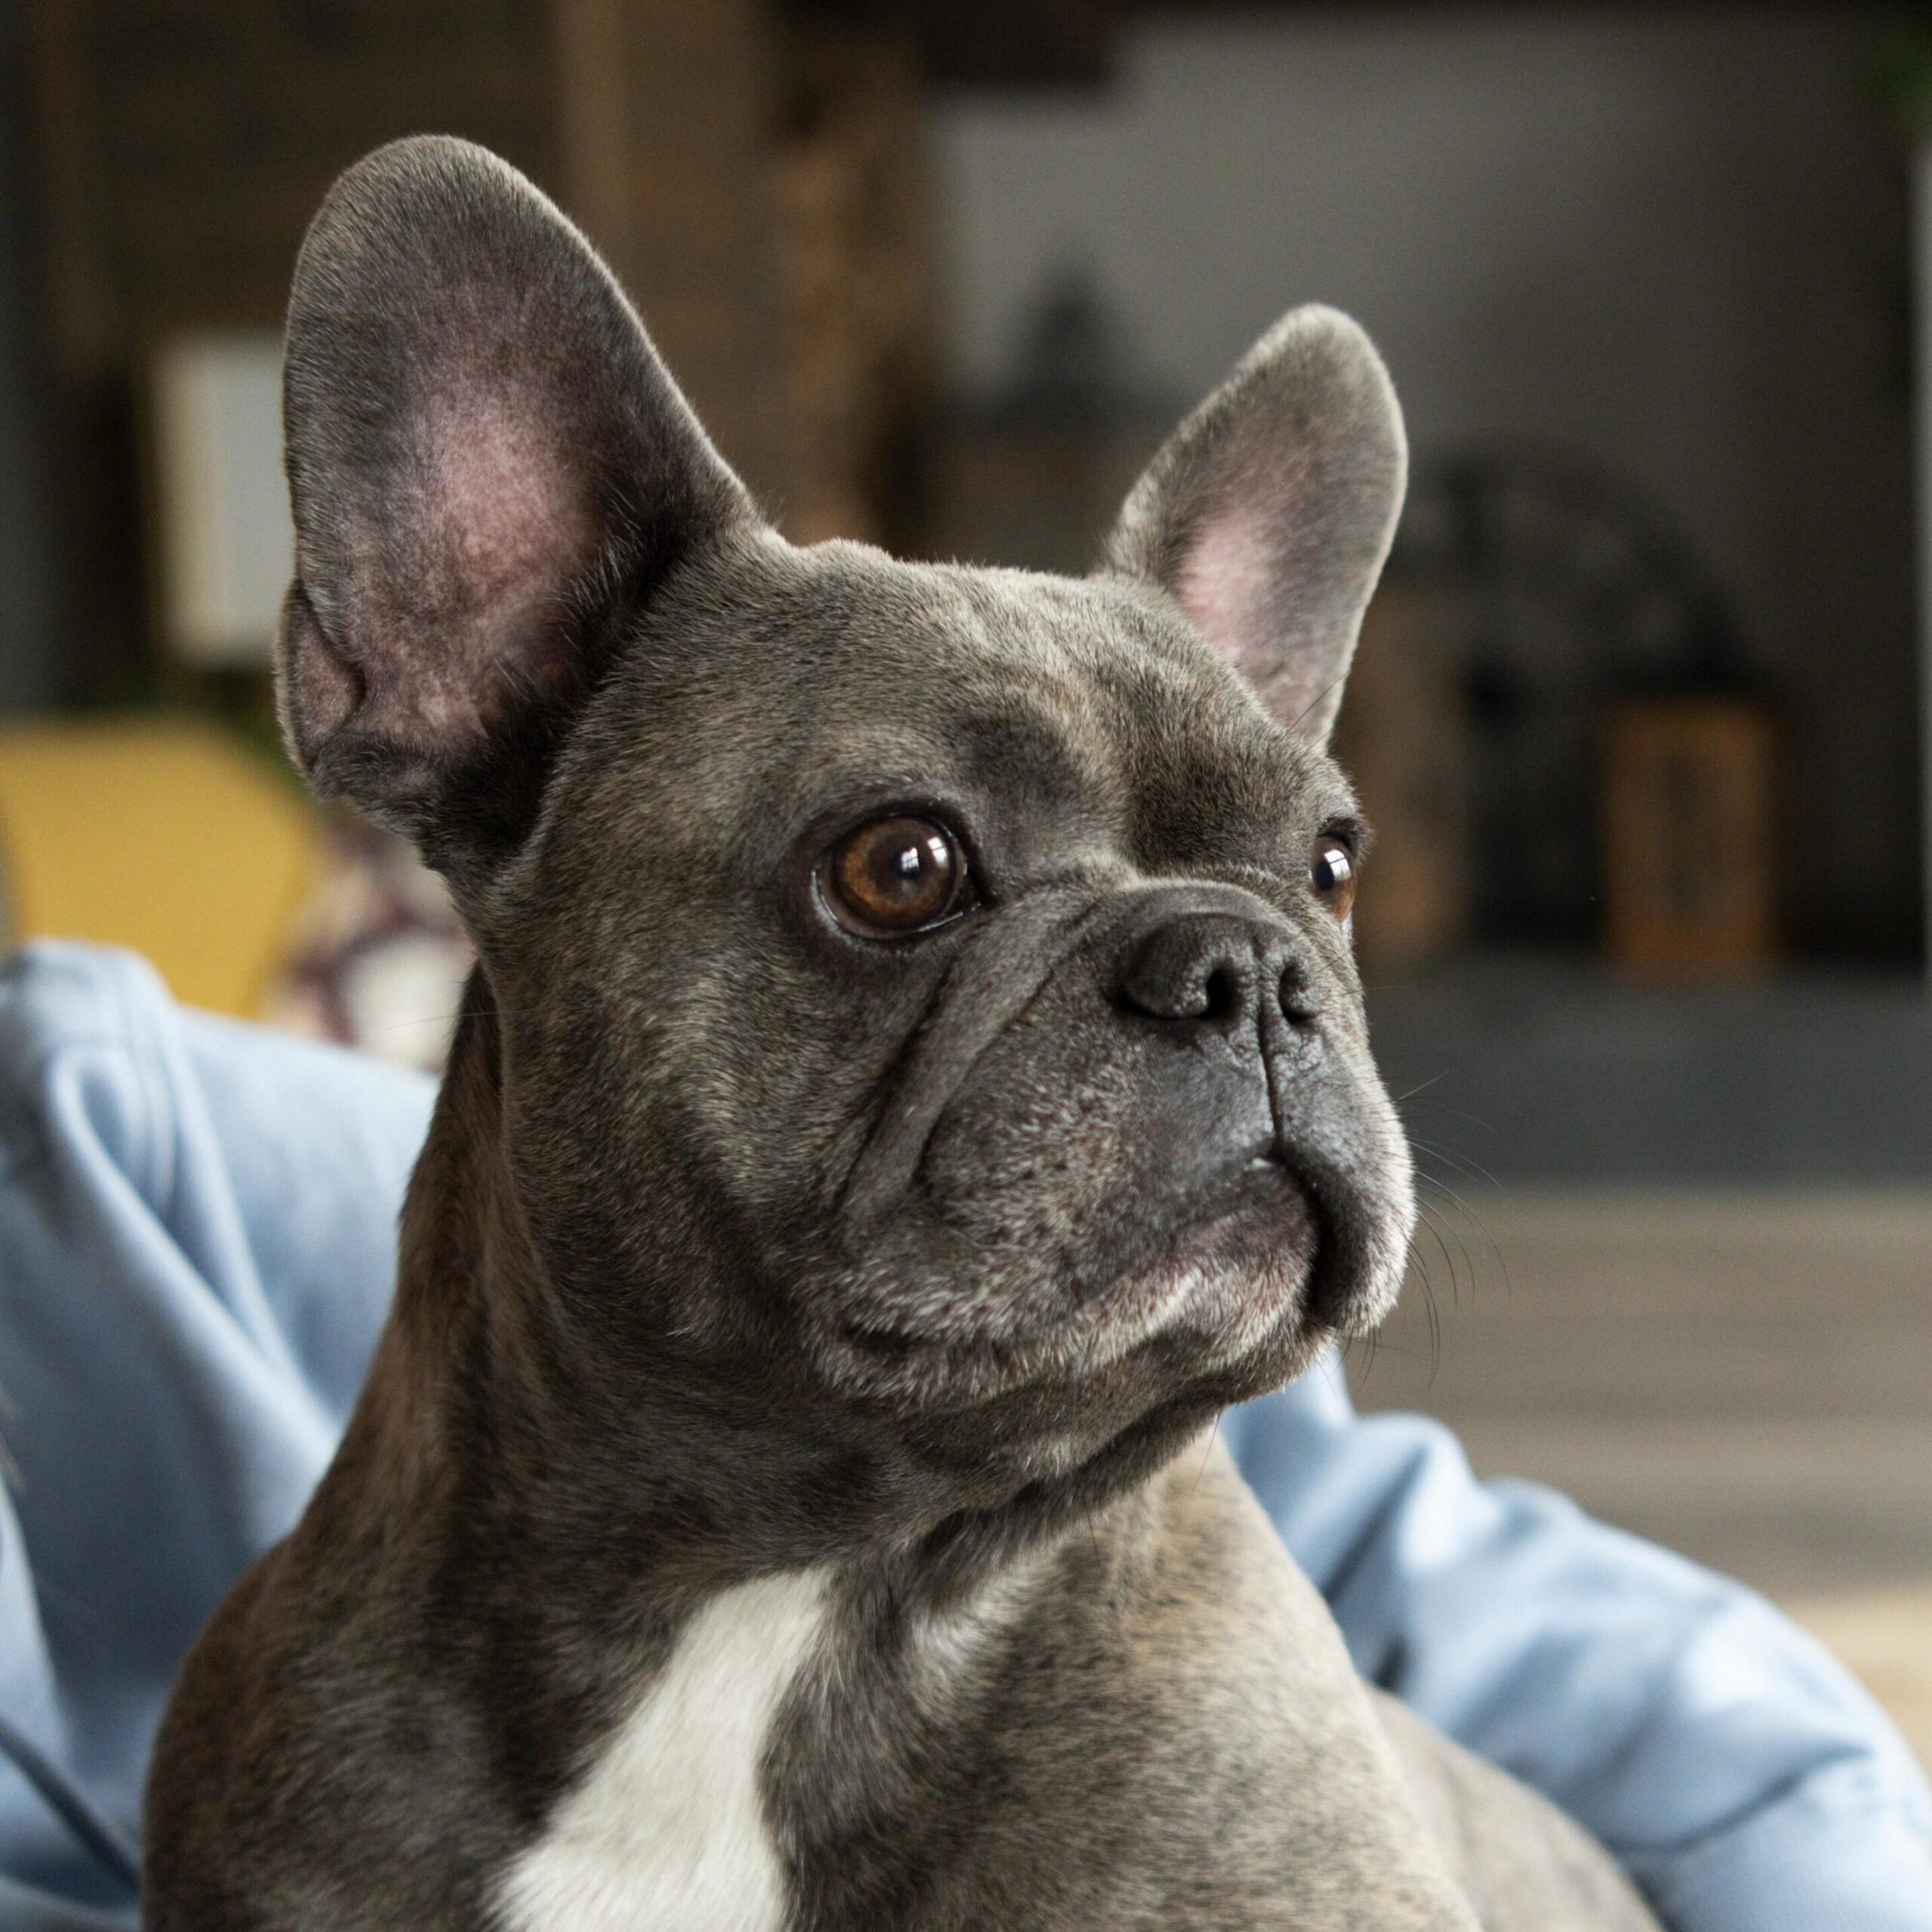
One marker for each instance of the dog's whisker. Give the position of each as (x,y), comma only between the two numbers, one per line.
(1430,1222)
(1475,1220)
(1402,1099)
(1455,1158)
(1420,1258)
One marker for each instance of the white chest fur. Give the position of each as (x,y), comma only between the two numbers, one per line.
(666,1831)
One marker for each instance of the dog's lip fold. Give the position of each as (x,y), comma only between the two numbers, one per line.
(1228,1253)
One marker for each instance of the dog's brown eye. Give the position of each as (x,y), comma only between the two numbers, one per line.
(896,875)
(1331,870)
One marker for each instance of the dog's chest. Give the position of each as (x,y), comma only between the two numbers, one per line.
(665,1831)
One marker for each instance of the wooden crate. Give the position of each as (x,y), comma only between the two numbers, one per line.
(1690,838)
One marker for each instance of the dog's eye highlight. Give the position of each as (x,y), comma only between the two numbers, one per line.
(1331,871)
(895,876)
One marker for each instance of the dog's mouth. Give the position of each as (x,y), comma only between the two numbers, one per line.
(1256,1258)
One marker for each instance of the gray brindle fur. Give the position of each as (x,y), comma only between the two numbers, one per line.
(784,1497)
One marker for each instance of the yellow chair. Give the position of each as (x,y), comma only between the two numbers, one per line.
(162,835)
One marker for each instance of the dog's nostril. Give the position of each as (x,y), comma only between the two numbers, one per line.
(1203,971)
(1297,1003)
(1220,995)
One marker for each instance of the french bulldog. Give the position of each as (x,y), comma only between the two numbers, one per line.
(914,1079)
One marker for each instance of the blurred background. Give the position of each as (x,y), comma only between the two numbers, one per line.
(1641,711)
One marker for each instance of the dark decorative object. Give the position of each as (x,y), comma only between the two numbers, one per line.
(1576,593)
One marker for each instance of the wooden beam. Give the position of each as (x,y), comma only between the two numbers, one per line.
(666,120)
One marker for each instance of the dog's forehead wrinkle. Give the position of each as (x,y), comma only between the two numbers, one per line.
(1206,795)
(857,675)
(837,673)
(1088,692)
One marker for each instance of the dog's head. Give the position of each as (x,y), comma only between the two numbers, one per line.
(937,979)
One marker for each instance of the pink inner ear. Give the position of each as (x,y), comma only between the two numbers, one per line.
(510,515)
(1228,586)
(505,532)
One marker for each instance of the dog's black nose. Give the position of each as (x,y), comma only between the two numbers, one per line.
(1214,969)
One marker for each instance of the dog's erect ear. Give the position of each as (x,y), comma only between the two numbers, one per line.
(1269,513)
(489,466)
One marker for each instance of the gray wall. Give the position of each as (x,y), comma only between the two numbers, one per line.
(1672,240)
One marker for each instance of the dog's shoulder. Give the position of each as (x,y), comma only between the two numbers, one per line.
(1182,1738)
(1524,1863)
(308,1745)
(1248,1625)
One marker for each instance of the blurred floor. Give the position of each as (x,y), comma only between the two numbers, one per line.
(1744,1375)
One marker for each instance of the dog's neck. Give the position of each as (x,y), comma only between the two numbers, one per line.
(484,1403)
